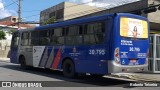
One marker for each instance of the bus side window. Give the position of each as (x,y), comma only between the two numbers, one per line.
(79,37)
(35,38)
(94,33)
(73,35)
(89,34)
(52,38)
(57,36)
(15,40)
(44,37)
(25,39)
(99,32)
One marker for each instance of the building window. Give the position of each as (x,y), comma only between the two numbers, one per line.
(14,20)
(51,14)
(60,14)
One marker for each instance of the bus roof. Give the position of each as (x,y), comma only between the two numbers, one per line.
(88,19)
(75,21)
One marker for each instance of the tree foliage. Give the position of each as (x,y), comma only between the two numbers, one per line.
(2,35)
(50,21)
(11,31)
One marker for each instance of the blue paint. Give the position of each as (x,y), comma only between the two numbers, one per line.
(88,62)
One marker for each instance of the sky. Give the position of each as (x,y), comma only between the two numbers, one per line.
(31,8)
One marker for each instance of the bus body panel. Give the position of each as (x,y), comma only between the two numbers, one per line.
(132,52)
(94,59)
(83,57)
(136,49)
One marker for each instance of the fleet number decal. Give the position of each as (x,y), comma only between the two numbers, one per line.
(134,49)
(97,51)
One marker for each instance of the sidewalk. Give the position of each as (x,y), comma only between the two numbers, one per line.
(4,59)
(155,76)
(145,76)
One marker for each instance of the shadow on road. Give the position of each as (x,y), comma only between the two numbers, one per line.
(82,80)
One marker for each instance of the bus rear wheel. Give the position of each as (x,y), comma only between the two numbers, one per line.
(68,68)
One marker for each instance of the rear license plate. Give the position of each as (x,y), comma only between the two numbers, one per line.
(133,61)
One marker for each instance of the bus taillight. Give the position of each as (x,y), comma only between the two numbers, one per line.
(116,55)
(147,57)
(148,54)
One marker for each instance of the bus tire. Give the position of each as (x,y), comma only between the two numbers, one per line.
(22,62)
(68,68)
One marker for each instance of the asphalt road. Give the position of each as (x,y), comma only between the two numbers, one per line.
(12,72)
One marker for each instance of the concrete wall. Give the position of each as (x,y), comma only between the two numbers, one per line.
(124,8)
(80,11)
(5,46)
(155,16)
(5,53)
(44,15)
(10,19)
(73,10)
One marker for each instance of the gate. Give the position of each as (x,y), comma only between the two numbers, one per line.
(154,54)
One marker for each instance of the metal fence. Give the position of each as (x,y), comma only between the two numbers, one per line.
(154,54)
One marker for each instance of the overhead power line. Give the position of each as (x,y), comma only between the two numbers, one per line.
(9,5)
(64,8)
(91,11)
(15,2)
(78,14)
(32,15)
(31,11)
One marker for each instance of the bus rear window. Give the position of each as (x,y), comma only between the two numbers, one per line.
(136,28)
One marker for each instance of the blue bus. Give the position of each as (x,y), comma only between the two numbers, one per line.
(98,45)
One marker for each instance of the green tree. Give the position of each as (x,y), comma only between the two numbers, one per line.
(2,35)
(11,31)
(49,21)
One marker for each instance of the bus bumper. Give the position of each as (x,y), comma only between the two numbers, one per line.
(118,68)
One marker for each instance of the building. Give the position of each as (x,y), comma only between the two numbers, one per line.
(154,17)
(13,25)
(12,22)
(10,18)
(7,25)
(126,8)
(66,11)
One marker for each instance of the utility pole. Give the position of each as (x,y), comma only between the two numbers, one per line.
(19,13)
